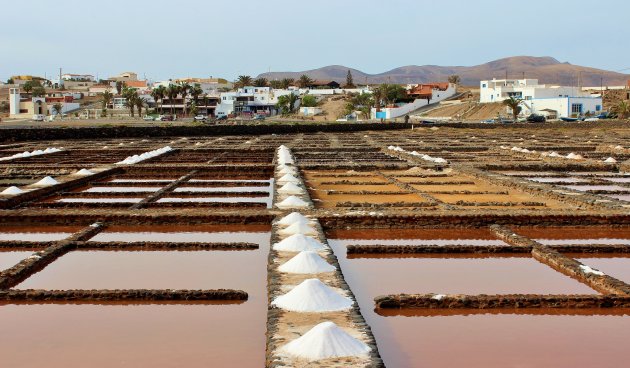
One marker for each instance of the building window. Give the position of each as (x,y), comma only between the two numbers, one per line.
(598,107)
(483,85)
(576,108)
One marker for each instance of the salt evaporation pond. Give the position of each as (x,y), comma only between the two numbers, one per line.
(411,342)
(183,233)
(479,237)
(223,189)
(164,335)
(556,180)
(498,339)
(37,233)
(586,188)
(122,189)
(621,197)
(577,235)
(617,180)
(615,265)
(105,336)
(10,259)
(100,200)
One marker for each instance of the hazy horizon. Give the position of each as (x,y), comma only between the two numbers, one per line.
(162,39)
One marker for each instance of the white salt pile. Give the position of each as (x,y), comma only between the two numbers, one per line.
(292,202)
(298,243)
(12,191)
(29,154)
(618,147)
(144,156)
(326,340)
(290,188)
(292,218)
(84,172)
(312,296)
(287,170)
(588,269)
(47,181)
(286,159)
(298,228)
(306,262)
(571,155)
(288,178)
(610,160)
(554,154)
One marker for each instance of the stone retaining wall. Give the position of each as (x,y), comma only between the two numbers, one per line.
(435,301)
(121,295)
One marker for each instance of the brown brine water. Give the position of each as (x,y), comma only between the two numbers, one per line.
(416,339)
(145,334)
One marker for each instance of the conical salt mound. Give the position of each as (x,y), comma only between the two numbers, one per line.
(610,160)
(298,243)
(298,228)
(307,262)
(47,181)
(288,178)
(287,170)
(312,296)
(292,202)
(292,218)
(12,191)
(291,188)
(84,172)
(326,340)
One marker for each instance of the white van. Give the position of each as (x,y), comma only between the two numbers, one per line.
(38,117)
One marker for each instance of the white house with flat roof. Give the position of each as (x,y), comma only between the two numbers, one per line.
(541,98)
(251,100)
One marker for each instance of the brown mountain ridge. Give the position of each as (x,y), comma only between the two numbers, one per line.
(546,69)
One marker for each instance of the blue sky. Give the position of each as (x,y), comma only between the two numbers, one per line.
(162,39)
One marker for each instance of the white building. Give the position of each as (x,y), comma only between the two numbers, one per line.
(251,100)
(78,77)
(540,98)
(422,95)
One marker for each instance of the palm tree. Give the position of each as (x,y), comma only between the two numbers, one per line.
(243,81)
(131,96)
(515,105)
(157,94)
(195,92)
(172,91)
(184,88)
(161,92)
(304,81)
(106,98)
(622,109)
(286,83)
(286,103)
(140,103)
(261,82)
(455,79)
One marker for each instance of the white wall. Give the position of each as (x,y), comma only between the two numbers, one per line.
(391,113)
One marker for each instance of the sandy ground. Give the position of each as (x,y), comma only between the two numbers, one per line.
(469,111)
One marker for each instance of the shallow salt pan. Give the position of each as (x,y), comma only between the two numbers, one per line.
(223,189)
(100,200)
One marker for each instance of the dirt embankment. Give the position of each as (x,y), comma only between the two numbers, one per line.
(468,111)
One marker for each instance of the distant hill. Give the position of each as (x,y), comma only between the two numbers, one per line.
(546,69)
